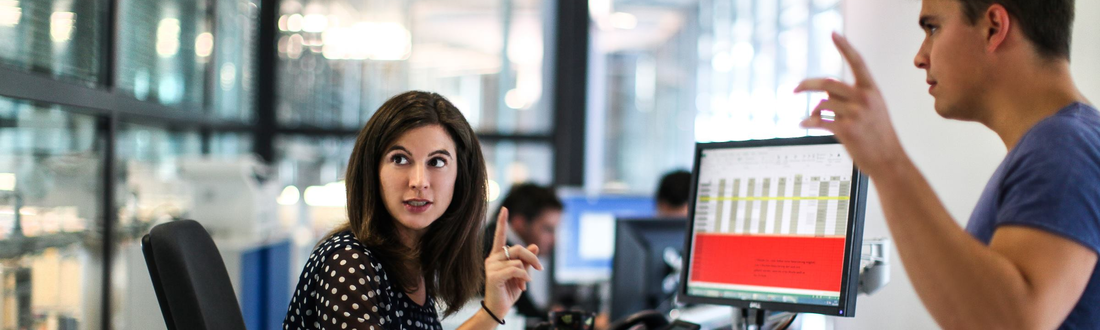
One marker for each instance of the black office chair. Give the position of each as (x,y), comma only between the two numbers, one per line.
(190,279)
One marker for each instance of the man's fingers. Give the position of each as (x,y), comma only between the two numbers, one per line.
(859,68)
(533,248)
(836,89)
(522,253)
(837,107)
(502,225)
(817,123)
(814,121)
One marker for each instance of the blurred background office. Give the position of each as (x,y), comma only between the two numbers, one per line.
(116,115)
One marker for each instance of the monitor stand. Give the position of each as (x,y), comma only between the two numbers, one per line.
(759,319)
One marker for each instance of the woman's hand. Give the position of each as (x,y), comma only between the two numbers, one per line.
(506,273)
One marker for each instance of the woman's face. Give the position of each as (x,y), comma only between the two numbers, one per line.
(418,178)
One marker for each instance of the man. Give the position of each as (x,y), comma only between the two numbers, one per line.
(1028,257)
(673,193)
(534,213)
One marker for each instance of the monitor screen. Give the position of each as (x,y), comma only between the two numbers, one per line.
(776,225)
(585,239)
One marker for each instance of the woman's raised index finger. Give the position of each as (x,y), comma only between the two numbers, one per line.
(502,223)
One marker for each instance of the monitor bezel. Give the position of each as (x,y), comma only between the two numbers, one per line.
(852,249)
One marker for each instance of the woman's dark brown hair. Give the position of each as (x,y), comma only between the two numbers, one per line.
(449,252)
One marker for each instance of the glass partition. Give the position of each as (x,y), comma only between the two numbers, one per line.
(51,239)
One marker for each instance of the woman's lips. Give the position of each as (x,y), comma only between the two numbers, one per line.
(417,206)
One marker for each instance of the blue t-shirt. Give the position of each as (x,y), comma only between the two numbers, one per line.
(1051,181)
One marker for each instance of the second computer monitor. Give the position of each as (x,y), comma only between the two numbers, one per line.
(775,225)
(585,245)
(646,268)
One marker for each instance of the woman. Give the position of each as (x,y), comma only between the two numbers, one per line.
(416,196)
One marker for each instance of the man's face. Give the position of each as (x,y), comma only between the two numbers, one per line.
(953,56)
(539,231)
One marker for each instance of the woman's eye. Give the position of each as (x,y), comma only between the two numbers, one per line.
(399,160)
(437,162)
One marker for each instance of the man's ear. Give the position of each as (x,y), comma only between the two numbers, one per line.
(998,23)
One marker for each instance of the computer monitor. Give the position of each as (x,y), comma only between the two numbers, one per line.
(583,249)
(646,268)
(775,225)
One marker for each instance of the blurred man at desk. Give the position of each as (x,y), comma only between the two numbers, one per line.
(673,193)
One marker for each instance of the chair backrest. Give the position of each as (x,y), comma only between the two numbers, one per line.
(189,278)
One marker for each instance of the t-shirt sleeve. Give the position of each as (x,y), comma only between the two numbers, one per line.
(349,294)
(1054,185)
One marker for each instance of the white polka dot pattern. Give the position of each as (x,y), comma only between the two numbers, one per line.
(326,297)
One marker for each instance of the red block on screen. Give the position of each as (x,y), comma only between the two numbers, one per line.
(811,263)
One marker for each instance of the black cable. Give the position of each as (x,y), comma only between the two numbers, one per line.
(744,318)
(789,321)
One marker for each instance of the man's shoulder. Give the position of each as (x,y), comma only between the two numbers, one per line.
(1048,181)
(1073,133)
(1080,122)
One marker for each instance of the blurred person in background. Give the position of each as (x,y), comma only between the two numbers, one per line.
(673,193)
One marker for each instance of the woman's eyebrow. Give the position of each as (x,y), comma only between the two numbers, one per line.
(433,153)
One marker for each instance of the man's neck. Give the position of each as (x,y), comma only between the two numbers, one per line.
(1028,97)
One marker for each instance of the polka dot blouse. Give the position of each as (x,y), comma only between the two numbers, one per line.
(344,287)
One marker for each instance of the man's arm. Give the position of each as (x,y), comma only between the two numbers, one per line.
(1025,279)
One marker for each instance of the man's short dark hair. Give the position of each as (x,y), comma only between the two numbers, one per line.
(530,200)
(674,188)
(1047,23)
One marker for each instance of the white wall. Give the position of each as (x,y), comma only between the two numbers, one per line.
(957,158)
